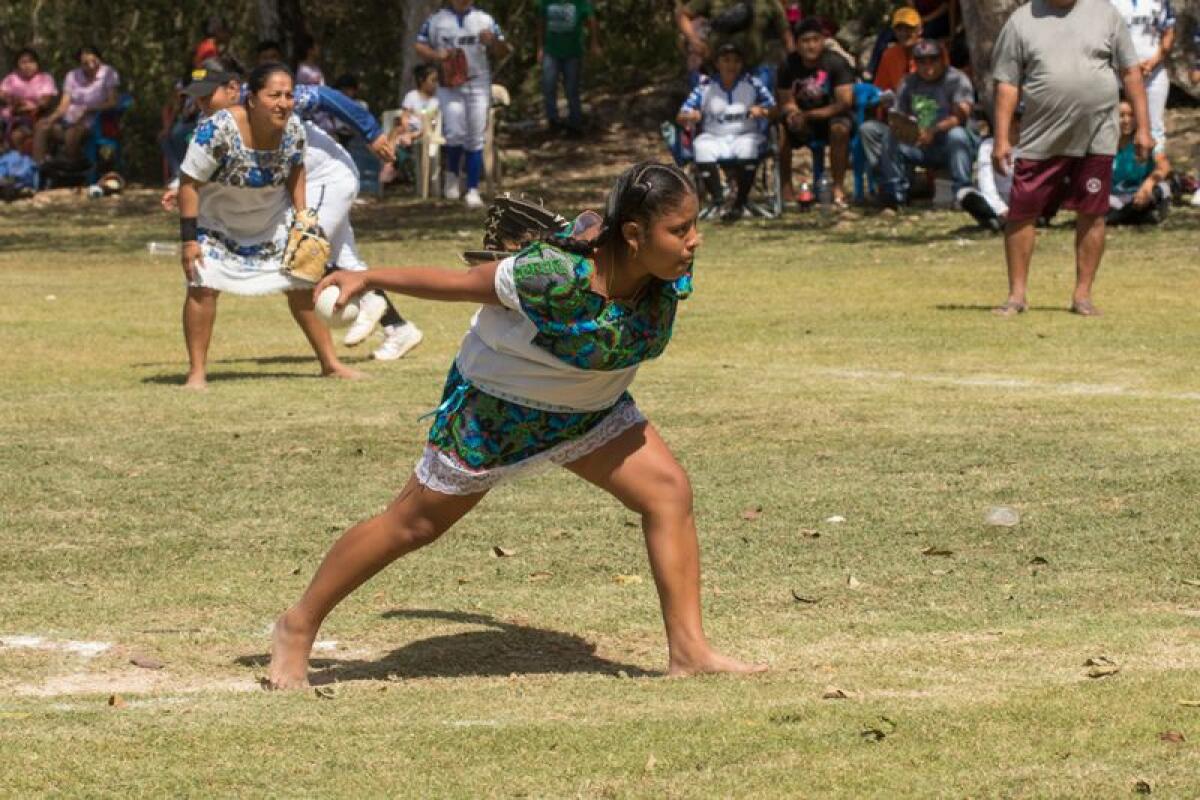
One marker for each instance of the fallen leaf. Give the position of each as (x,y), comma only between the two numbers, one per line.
(800,598)
(835,519)
(463,579)
(1102,672)
(1037,561)
(786,718)
(1172,736)
(622,674)
(853,582)
(1190,703)
(325,692)
(540,575)
(146,663)
(936,551)
(296,571)
(651,763)
(810,533)
(625,580)
(873,735)
(503,552)
(937,573)
(116,701)
(752,513)
(1099,661)
(1141,787)
(834,693)
(1190,582)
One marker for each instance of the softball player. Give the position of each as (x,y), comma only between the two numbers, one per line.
(461,26)
(1151,23)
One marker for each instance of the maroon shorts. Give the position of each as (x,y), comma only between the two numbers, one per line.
(1079,183)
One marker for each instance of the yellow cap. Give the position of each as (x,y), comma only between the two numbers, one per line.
(906,16)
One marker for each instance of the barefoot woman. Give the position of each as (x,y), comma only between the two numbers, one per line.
(243,173)
(541,377)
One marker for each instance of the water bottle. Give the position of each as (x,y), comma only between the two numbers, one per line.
(162,248)
(825,190)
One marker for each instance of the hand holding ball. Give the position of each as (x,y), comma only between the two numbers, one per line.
(325,310)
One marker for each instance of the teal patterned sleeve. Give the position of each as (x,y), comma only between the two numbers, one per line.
(553,288)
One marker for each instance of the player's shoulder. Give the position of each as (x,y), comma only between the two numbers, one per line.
(480,17)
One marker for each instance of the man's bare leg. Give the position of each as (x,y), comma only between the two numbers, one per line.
(839,160)
(1019,239)
(301,305)
(199,316)
(1090,237)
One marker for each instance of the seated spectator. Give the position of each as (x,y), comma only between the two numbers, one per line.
(409,128)
(987,200)
(308,69)
(215,43)
(88,89)
(897,60)
(26,93)
(728,109)
(268,51)
(816,100)
(932,109)
(1141,194)
(347,84)
(746,24)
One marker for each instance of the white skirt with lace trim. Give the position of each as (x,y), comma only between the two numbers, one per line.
(441,473)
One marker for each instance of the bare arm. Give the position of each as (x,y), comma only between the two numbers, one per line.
(110,100)
(843,101)
(540,33)
(64,103)
(474,285)
(684,17)
(593,36)
(189,208)
(427,53)
(1007,97)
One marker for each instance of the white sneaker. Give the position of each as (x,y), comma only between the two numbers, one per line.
(1196,199)
(450,188)
(371,309)
(400,339)
(473,199)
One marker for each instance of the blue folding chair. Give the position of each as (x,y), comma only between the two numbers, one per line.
(866,98)
(103,146)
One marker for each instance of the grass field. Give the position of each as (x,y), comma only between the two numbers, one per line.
(822,368)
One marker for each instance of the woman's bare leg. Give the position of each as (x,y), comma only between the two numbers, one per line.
(415,518)
(301,305)
(199,316)
(638,469)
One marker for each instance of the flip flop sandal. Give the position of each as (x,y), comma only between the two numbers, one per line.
(1085,309)
(1010,309)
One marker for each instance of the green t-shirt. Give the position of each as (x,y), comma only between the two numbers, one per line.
(564,26)
(768,20)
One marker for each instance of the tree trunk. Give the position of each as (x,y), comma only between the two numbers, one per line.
(983,20)
(270,22)
(415,14)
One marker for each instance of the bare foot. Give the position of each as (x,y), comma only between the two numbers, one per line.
(1011,308)
(290,646)
(1084,308)
(710,663)
(195,383)
(344,373)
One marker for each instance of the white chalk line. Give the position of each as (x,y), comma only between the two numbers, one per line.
(992,382)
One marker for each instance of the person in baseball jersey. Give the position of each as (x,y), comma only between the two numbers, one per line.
(1151,25)
(459,25)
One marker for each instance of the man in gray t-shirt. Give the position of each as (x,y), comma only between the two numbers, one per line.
(933,105)
(1061,58)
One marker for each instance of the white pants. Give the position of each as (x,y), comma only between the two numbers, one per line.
(465,115)
(1158,86)
(711,147)
(331,187)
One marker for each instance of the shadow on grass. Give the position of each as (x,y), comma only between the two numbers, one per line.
(503,649)
(987,308)
(177,378)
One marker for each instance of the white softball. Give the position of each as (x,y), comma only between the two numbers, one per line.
(324,307)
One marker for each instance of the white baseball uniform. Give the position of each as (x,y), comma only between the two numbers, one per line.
(464,108)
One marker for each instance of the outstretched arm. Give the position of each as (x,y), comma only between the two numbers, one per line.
(474,285)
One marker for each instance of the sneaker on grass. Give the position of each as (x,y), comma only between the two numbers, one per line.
(400,339)
(370,310)
(473,199)
(450,188)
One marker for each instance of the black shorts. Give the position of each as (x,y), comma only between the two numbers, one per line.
(816,131)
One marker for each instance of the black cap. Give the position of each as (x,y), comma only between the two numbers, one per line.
(207,78)
(809,25)
(927,48)
(729,47)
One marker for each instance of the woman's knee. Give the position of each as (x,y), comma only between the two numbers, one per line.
(667,491)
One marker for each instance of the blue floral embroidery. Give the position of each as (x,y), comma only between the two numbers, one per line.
(205,132)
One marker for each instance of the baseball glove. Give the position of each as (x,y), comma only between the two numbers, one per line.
(454,69)
(307,249)
(512,223)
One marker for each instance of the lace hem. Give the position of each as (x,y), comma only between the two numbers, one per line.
(438,471)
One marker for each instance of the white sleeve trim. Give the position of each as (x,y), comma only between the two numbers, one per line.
(506,284)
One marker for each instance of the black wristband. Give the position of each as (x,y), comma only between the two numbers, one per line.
(187,229)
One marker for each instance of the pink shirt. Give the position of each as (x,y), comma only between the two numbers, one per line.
(18,90)
(86,95)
